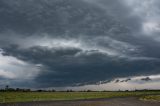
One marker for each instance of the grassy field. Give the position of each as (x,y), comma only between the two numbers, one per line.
(151,98)
(6,97)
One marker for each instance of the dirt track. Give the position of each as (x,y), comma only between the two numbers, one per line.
(132,101)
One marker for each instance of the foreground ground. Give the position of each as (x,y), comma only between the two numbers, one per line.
(141,98)
(7,97)
(126,101)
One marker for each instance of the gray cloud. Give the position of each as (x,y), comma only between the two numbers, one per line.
(77,41)
(146,79)
(63,67)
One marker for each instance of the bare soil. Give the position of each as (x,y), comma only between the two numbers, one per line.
(130,101)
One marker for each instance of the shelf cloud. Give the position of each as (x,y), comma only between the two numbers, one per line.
(63,43)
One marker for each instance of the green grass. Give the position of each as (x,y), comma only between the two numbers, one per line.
(6,97)
(151,98)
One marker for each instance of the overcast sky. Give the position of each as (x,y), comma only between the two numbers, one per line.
(80,44)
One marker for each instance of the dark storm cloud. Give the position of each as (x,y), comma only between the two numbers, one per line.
(63,68)
(55,17)
(126,80)
(63,19)
(120,11)
(76,41)
(146,79)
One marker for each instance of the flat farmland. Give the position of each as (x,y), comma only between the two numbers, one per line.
(16,97)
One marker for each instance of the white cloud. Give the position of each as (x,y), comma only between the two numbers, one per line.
(103,44)
(148,11)
(151,27)
(13,68)
(85,44)
(7,74)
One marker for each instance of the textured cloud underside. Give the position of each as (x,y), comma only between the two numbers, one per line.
(77,42)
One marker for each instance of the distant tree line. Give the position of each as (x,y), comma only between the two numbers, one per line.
(9,89)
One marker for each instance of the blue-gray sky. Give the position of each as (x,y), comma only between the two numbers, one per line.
(64,43)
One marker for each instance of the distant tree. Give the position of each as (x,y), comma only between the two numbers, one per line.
(18,89)
(28,90)
(53,90)
(89,91)
(39,90)
(70,90)
(11,89)
(2,90)
(6,87)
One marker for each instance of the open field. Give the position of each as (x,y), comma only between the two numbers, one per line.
(8,97)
